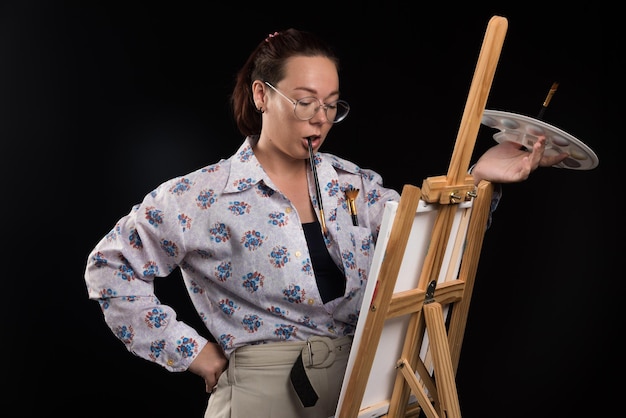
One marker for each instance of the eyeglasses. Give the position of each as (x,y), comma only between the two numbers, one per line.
(307,107)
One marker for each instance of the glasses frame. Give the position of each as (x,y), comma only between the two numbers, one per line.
(321,105)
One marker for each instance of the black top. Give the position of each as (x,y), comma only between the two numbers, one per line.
(331,281)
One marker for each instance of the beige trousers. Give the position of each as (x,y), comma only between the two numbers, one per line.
(257,382)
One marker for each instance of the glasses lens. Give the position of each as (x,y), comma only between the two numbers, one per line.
(307,108)
(340,109)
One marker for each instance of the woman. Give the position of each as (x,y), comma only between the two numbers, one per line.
(271,255)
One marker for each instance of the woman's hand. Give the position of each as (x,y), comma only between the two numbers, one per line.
(209,365)
(507,162)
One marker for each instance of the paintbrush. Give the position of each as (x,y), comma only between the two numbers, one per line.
(351,195)
(317,187)
(546,102)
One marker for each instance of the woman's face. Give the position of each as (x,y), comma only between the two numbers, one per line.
(305,77)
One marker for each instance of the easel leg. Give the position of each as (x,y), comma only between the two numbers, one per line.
(444,372)
(416,387)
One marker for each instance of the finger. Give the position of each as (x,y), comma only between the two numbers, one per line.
(550,160)
(210,388)
(537,152)
(209,385)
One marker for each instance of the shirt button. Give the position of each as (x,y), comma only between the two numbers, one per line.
(298,254)
(288,210)
(311,301)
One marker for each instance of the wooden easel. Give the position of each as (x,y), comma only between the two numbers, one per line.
(434,388)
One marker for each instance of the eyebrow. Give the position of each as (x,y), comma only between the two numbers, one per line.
(313,92)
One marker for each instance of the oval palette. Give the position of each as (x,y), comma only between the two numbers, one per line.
(525,130)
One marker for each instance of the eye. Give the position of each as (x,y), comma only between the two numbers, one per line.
(308,101)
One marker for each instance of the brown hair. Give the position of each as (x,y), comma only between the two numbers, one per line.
(267,63)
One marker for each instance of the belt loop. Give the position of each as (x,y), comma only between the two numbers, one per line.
(308,344)
(230,370)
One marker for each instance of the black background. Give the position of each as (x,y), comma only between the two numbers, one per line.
(102,101)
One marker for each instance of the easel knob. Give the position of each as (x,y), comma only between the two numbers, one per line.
(437,189)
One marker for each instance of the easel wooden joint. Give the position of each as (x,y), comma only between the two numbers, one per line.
(433,313)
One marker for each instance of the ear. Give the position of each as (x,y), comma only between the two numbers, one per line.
(258,95)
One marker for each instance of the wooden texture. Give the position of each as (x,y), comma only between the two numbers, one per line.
(472,114)
(374,323)
(436,394)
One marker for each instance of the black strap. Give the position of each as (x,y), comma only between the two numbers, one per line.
(301,383)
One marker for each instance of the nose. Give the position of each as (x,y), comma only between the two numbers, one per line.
(324,116)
